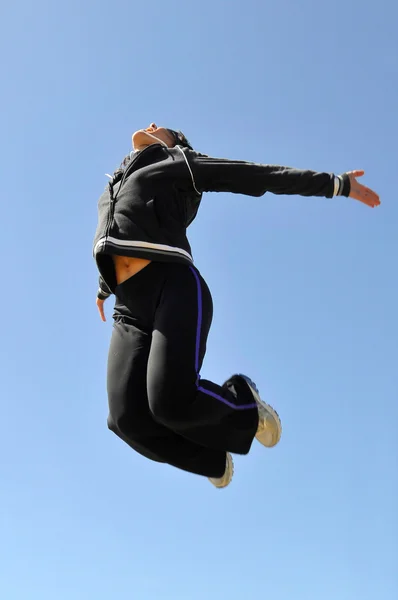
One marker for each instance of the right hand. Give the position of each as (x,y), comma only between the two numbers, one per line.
(361,192)
(100,306)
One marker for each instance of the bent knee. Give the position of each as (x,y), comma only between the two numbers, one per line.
(170,417)
(112,424)
(133,426)
(124,426)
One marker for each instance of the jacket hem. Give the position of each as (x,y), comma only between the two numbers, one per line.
(141,249)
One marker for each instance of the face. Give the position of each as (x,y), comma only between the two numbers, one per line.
(141,139)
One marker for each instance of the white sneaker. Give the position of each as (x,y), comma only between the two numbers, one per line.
(222,482)
(269,429)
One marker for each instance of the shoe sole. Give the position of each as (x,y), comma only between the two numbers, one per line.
(220,487)
(271,411)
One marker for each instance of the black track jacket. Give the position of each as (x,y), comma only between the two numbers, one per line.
(146,208)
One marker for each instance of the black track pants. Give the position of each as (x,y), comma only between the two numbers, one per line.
(158,404)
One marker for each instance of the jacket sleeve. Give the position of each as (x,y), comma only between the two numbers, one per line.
(252,179)
(103,290)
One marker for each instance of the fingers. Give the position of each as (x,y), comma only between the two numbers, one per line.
(370,197)
(370,202)
(102,312)
(366,196)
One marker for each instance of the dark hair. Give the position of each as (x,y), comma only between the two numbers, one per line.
(180,139)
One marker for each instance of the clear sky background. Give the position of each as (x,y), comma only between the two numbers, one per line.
(305,293)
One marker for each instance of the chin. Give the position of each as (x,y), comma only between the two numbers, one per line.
(136,136)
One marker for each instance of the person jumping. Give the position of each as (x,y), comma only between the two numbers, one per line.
(158,403)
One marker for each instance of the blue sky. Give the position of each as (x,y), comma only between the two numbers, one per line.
(305,293)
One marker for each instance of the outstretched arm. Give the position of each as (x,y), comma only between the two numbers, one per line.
(252,179)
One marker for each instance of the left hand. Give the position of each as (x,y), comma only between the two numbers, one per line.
(100,306)
(361,192)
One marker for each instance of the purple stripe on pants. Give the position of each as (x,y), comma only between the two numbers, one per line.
(197,352)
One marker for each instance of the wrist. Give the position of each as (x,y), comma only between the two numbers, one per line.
(101,295)
(342,185)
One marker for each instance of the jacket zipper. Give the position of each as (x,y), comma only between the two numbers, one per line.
(112,199)
(128,169)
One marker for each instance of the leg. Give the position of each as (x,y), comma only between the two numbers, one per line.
(129,414)
(220,417)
